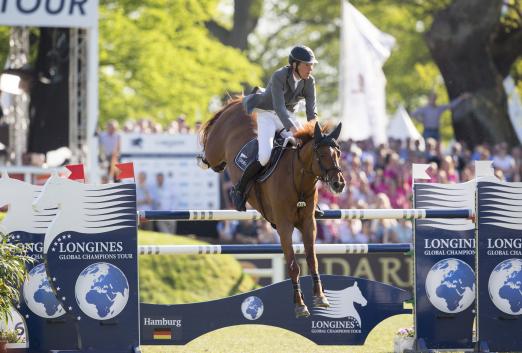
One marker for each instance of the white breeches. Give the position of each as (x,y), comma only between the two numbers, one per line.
(267,124)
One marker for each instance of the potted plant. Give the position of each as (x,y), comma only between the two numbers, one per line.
(8,337)
(13,269)
(404,339)
(3,342)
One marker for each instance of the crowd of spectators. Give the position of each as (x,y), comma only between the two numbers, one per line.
(377,177)
(380,177)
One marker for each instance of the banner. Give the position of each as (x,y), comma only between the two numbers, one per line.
(49,13)
(174,156)
(364,49)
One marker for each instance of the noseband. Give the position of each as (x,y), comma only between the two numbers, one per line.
(325,172)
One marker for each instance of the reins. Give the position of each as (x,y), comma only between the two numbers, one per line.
(301,203)
(325,172)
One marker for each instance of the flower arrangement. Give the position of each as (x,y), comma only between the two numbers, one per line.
(404,339)
(406,332)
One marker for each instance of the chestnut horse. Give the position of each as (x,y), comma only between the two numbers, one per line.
(292,182)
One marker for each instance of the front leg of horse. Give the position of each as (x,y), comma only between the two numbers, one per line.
(300,308)
(319,298)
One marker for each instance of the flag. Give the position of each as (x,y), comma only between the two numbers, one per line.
(125,170)
(514,106)
(364,49)
(162,334)
(77,171)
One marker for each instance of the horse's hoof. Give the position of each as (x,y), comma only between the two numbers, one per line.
(321,302)
(301,311)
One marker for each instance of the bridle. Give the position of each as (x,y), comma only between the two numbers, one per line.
(325,172)
(324,177)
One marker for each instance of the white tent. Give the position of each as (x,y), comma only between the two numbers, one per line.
(401,127)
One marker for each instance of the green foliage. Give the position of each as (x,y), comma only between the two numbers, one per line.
(158,60)
(170,279)
(10,336)
(411,73)
(12,274)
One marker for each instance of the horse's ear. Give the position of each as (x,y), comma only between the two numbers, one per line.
(318,134)
(337,131)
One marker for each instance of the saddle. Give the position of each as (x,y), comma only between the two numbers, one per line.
(249,153)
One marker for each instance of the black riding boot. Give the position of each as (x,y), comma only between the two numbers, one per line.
(237,193)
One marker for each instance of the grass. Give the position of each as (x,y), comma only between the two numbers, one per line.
(191,278)
(178,279)
(266,339)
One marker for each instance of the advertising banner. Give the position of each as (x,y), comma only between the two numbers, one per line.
(499,254)
(49,13)
(444,268)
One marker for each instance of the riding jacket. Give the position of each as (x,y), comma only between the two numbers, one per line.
(281,96)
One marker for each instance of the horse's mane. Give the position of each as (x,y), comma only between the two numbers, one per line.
(203,134)
(306,133)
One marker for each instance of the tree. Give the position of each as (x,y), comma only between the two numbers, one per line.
(157,60)
(476,56)
(435,38)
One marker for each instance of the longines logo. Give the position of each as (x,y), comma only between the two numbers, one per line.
(36,247)
(449,246)
(90,247)
(341,306)
(504,246)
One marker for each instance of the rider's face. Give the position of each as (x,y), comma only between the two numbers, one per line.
(305,70)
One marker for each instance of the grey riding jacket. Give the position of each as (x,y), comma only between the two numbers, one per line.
(281,96)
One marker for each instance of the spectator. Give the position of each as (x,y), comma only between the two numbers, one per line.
(430,114)
(226,231)
(402,232)
(503,161)
(182,125)
(266,234)
(144,200)
(246,232)
(381,227)
(110,147)
(448,166)
(162,200)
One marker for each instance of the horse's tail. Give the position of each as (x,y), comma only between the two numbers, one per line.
(205,129)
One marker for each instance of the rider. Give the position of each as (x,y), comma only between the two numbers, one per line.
(275,107)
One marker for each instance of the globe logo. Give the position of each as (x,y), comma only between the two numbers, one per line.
(252,308)
(39,296)
(505,286)
(102,291)
(450,285)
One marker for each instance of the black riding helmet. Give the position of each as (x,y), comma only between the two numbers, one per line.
(302,54)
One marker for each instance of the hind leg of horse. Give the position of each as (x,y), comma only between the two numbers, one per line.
(285,233)
(308,231)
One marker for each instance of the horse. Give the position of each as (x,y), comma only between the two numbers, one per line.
(288,198)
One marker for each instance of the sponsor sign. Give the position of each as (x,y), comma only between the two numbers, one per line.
(49,13)
(186,185)
(444,268)
(357,306)
(499,250)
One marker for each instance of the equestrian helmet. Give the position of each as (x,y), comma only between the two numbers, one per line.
(302,54)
